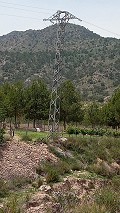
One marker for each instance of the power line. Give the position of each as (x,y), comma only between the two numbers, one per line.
(23,9)
(101,28)
(22,17)
(23,5)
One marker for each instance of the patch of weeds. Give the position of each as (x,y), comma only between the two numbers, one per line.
(36,184)
(109,198)
(102,169)
(56,152)
(42,140)
(87,208)
(11,206)
(67,200)
(53,171)
(89,175)
(4,188)
(115,182)
(20,182)
(40,169)
(63,167)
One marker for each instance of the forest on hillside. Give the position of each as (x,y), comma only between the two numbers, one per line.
(90,61)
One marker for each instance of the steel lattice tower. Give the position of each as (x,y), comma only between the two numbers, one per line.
(61,18)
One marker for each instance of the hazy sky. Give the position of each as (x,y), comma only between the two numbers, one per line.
(22,15)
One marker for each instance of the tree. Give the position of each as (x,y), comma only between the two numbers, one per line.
(13,100)
(111,111)
(92,114)
(2,108)
(37,100)
(70,107)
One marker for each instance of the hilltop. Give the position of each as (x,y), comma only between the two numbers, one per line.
(90,61)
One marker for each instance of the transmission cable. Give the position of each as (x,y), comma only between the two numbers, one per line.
(23,9)
(23,5)
(22,16)
(101,28)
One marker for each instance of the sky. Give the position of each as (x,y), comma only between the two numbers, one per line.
(99,16)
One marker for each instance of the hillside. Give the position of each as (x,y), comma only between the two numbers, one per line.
(70,175)
(90,61)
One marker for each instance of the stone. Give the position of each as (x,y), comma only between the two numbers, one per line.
(1,206)
(45,188)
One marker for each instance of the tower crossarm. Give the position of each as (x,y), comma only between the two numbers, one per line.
(61,16)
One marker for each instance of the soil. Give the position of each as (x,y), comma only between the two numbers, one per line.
(20,159)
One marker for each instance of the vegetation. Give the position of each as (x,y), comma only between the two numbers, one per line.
(93,143)
(91,61)
(31,136)
(32,104)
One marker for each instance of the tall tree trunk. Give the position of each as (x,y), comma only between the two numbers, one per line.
(64,124)
(10,121)
(34,123)
(15,119)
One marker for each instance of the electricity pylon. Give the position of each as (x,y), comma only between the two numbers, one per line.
(61,18)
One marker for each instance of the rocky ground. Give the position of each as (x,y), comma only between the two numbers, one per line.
(61,197)
(20,159)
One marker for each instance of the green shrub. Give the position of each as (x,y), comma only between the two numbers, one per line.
(116,134)
(52,175)
(63,167)
(71,130)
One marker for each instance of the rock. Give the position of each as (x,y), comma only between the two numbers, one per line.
(116,167)
(63,139)
(99,161)
(106,167)
(7,137)
(45,188)
(1,206)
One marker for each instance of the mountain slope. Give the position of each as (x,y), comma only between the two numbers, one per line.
(91,61)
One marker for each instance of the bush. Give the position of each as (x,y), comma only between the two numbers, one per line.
(52,175)
(63,167)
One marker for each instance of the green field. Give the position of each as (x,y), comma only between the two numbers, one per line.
(31,135)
